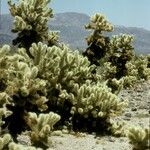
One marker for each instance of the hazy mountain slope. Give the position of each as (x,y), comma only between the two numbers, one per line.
(70,19)
(71,27)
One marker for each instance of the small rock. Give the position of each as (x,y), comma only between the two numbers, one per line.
(111,139)
(57,133)
(98,142)
(121,140)
(140,90)
(126,118)
(143,107)
(93,133)
(128,115)
(65,131)
(98,138)
(134,109)
(137,98)
(129,91)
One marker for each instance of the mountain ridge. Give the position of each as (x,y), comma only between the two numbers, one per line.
(72,31)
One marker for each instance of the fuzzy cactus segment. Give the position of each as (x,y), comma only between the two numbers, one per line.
(4,53)
(41,126)
(139,138)
(4,112)
(31,14)
(4,141)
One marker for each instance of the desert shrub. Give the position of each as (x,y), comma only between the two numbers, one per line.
(139,138)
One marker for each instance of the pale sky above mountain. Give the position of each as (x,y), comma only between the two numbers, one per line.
(135,13)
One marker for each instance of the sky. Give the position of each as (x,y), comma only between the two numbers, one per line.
(130,13)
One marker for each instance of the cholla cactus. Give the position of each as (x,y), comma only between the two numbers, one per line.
(93,106)
(118,65)
(97,42)
(4,141)
(41,126)
(118,128)
(112,55)
(31,18)
(23,92)
(52,38)
(75,70)
(97,100)
(142,66)
(139,138)
(121,53)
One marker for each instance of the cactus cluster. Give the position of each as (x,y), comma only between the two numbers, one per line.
(120,55)
(44,86)
(55,80)
(121,52)
(22,94)
(71,83)
(55,87)
(142,64)
(114,56)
